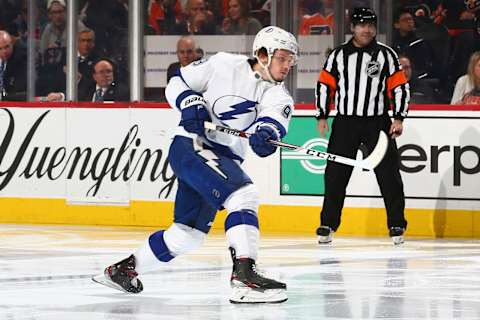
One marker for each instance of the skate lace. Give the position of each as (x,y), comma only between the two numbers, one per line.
(258,271)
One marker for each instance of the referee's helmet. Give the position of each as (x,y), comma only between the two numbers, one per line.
(363,15)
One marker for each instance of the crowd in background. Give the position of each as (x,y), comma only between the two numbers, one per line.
(437,40)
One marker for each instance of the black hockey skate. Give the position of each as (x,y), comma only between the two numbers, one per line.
(121,276)
(251,287)
(324,234)
(396,233)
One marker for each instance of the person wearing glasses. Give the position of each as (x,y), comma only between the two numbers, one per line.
(104,88)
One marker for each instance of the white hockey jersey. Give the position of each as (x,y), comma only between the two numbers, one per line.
(236,96)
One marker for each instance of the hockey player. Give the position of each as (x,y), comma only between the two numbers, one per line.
(240,93)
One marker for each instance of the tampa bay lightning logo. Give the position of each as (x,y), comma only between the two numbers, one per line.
(235,111)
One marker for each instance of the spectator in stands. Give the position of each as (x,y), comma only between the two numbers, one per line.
(86,60)
(20,24)
(86,53)
(458,18)
(104,88)
(406,41)
(238,20)
(186,53)
(198,20)
(13,69)
(51,76)
(55,34)
(318,17)
(160,10)
(467,88)
(421,90)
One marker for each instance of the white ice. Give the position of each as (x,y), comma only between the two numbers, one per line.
(45,274)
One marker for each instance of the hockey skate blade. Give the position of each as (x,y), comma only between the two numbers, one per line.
(101,279)
(249,295)
(324,240)
(398,240)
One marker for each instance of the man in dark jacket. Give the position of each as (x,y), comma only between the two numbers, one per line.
(104,88)
(13,69)
(407,42)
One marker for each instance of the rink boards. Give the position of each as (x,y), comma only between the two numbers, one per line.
(106,164)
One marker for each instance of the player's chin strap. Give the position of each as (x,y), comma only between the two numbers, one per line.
(267,72)
(368,163)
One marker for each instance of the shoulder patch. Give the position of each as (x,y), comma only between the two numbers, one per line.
(287,111)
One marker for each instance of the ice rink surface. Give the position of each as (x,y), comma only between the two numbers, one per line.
(46,270)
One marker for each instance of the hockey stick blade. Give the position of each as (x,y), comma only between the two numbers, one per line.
(368,163)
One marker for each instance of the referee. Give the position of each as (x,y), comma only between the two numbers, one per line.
(363,78)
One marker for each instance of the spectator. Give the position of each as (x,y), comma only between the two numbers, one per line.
(86,60)
(20,24)
(198,20)
(318,17)
(186,53)
(421,89)
(238,20)
(467,87)
(159,11)
(13,69)
(406,41)
(51,75)
(55,34)
(86,53)
(458,18)
(104,88)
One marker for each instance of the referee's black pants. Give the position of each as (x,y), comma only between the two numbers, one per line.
(348,132)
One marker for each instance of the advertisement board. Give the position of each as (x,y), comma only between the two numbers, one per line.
(439,159)
(160,53)
(86,155)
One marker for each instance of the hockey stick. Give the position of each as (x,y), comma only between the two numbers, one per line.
(369,162)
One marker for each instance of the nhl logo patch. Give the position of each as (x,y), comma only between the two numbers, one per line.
(373,69)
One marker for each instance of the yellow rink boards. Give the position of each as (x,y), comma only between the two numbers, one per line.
(273,219)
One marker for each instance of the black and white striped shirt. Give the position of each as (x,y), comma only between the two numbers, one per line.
(362,82)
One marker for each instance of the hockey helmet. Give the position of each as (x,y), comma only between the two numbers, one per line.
(273,38)
(363,15)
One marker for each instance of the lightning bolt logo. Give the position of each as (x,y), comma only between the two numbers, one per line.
(237,109)
(211,161)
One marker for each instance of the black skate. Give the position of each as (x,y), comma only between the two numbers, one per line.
(121,276)
(324,234)
(251,287)
(396,233)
